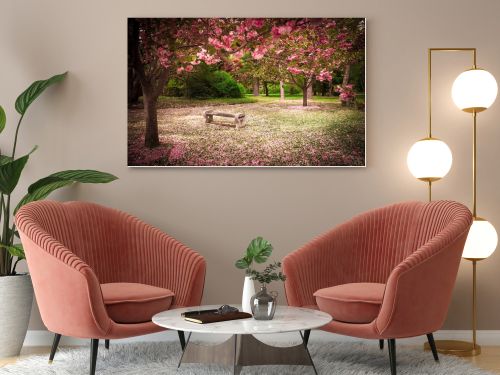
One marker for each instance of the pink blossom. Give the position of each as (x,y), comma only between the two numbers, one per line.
(275,32)
(345,45)
(227,41)
(239,54)
(176,153)
(294,70)
(216,43)
(324,75)
(346,93)
(189,68)
(259,52)
(252,34)
(257,22)
(164,57)
(206,57)
(283,30)
(180,70)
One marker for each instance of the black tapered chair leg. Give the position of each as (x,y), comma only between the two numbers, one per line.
(432,344)
(392,355)
(381,344)
(55,344)
(182,339)
(307,333)
(94,346)
(106,344)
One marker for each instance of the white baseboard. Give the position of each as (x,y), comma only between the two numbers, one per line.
(484,337)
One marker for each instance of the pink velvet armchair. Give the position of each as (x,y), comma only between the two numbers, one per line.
(385,274)
(99,273)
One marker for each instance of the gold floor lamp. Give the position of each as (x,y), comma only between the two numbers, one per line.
(430,159)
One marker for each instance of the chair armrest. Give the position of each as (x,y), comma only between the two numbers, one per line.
(67,290)
(165,262)
(323,262)
(419,289)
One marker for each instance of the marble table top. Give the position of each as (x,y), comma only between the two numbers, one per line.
(286,319)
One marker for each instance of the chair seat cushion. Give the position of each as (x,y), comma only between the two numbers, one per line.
(351,303)
(135,303)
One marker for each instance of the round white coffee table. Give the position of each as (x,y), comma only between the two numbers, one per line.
(242,348)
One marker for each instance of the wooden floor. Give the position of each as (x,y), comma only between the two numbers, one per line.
(488,360)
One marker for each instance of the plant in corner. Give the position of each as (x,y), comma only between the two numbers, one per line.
(258,251)
(16,291)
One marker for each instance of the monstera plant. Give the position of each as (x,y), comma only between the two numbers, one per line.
(16,292)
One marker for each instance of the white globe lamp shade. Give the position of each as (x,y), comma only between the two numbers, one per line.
(474,90)
(429,159)
(481,241)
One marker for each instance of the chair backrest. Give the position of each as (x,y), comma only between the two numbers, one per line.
(384,237)
(94,233)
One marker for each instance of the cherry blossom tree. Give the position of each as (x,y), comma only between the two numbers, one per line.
(313,49)
(160,48)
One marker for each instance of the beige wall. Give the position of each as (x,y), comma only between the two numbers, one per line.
(82,124)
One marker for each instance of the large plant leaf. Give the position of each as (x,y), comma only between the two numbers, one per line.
(86,176)
(3,119)
(4,159)
(42,193)
(242,263)
(43,187)
(259,250)
(10,172)
(15,250)
(31,93)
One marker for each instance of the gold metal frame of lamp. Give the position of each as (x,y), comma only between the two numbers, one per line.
(455,347)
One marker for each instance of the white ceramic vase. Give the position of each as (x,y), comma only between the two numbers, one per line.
(248,292)
(16,298)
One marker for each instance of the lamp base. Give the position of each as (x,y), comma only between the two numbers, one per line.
(456,348)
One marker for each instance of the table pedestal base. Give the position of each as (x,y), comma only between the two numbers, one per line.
(246,350)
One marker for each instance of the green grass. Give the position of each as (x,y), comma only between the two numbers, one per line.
(180,102)
(176,102)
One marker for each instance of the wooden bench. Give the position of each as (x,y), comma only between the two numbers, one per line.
(239,118)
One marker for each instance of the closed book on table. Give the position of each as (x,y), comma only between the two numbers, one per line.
(212,317)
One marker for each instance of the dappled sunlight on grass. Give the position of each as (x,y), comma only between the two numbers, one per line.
(276,134)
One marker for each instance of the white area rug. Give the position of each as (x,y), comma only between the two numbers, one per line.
(162,358)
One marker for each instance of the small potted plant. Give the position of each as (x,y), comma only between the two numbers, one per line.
(258,251)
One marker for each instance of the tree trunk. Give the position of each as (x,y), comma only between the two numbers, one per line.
(347,72)
(304,95)
(307,92)
(282,92)
(152,84)
(310,90)
(256,87)
(151,138)
(266,89)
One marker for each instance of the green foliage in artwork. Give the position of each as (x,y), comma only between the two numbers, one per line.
(207,82)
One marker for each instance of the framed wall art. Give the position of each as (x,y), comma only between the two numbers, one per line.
(246,92)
